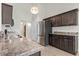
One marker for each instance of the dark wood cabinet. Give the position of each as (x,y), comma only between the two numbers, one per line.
(69,18)
(56,41)
(64,42)
(52,21)
(56,21)
(50,40)
(71,45)
(64,19)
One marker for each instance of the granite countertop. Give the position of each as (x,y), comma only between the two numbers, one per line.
(19,47)
(66,33)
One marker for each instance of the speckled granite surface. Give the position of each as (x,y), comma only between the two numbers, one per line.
(19,47)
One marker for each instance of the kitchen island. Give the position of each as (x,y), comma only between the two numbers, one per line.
(19,47)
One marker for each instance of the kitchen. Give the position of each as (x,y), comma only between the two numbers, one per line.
(67,27)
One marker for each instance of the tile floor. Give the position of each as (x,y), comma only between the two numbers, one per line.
(52,51)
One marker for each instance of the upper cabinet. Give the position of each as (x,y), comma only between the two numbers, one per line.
(65,19)
(56,20)
(70,18)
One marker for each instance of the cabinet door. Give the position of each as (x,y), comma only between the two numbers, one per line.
(71,44)
(50,39)
(66,44)
(62,45)
(65,19)
(57,41)
(56,21)
(53,21)
(53,40)
(69,18)
(73,18)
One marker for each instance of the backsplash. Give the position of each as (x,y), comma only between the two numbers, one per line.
(66,33)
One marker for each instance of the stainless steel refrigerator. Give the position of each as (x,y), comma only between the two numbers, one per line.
(44,30)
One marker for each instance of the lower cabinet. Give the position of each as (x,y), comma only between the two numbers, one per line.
(64,42)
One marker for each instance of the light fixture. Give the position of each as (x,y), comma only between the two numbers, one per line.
(34,10)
